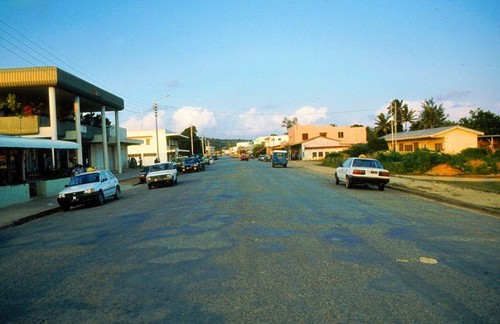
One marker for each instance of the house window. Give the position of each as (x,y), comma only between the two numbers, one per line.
(305,136)
(341,135)
(322,134)
(415,146)
(438,147)
(401,147)
(408,148)
(315,155)
(320,154)
(148,141)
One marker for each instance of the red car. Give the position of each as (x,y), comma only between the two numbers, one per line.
(243,157)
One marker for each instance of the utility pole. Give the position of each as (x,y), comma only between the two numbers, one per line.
(192,146)
(155,108)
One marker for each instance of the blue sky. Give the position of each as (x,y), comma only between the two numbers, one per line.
(234,69)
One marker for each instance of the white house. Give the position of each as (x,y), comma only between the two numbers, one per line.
(165,147)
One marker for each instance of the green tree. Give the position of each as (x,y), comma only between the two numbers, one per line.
(407,117)
(259,149)
(185,143)
(396,107)
(93,119)
(484,121)
(431,116)
(289,122)
(382,125)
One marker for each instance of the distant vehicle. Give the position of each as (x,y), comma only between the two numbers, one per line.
(89,188)
(243,157)
(162,174)
(143,174)
(279,158)
(179,162)
(364,171)
(192,165)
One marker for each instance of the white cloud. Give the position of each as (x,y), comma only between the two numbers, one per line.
(188,116)
(310,115)
(145,121)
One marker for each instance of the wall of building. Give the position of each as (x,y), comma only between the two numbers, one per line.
(344,134)
(451,142)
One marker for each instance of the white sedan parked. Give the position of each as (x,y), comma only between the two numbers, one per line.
(362,171)
(89,187)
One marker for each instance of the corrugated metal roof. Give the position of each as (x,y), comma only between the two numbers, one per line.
(28,77)
(426,133)
(25,142)
(51,76)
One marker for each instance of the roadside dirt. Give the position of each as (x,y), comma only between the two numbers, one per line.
(429,186)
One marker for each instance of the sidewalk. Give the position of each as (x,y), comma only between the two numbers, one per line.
(38,207)
(430,187)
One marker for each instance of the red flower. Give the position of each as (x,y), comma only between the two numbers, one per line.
(27,111)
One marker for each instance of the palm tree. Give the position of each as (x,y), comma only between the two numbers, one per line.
(382,124)
(432,115)
(396,107)
(407,116)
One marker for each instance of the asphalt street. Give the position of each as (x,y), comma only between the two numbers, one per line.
(245,242)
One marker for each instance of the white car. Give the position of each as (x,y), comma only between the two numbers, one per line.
(362,171)
(89,188)
(162,174)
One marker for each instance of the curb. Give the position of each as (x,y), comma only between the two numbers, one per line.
(493,211)
(31,218)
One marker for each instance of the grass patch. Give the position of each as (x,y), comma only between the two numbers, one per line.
(489,186)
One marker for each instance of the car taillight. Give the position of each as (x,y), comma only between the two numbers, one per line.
(358,172)
(383,174)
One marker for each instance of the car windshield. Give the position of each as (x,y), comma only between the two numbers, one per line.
(367,164)
(84,178)
(160,167)
(190,161)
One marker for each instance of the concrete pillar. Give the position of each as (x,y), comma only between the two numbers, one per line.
(118,142)
(104,138)
(78,130)
(53,120)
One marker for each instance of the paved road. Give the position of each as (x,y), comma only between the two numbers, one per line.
(243,242)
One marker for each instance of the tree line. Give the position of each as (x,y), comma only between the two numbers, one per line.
(432,115)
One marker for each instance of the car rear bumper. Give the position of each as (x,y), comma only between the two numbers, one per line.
(368,180)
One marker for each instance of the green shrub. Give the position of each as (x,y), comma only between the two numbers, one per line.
(473,153)
(358,149)
(334,159)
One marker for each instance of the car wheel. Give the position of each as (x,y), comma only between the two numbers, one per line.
(273,165)
(150,186)
(117,193)
(100,199)
(175,181)
(381,187)
(348,183)
(337,180)
(66,207)
(284,165)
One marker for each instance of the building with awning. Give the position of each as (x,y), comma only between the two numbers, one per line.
(48,110)
(26,142)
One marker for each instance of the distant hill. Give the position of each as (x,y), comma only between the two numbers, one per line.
(219,144)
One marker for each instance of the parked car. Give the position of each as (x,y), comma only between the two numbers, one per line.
(162,174)
(143,174)
(179,162)
(243,157)
(192,165)
(89,188)
(354,171)
(280,157)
